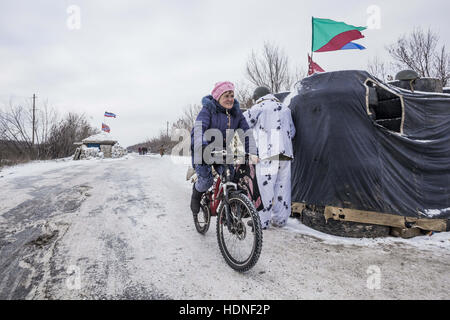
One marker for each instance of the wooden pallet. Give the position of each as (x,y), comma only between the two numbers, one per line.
(377,218)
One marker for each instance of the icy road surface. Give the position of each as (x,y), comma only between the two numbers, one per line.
(122,229)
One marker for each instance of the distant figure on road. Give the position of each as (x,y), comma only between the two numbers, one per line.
(161,151)
(140,151)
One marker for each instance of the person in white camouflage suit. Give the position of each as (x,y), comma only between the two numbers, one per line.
(273,130)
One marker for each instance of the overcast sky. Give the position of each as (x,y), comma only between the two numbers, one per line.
(146,60)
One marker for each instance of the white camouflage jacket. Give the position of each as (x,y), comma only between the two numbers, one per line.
(273,128)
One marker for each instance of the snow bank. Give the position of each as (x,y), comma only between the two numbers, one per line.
(105,151)
(90,153)
(118,152)
(34,168)
(439,240)
(435,212)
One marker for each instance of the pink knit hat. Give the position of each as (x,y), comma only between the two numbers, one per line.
(220,88)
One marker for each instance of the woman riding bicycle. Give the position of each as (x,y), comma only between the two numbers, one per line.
(221,112)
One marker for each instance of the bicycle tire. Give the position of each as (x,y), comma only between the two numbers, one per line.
(248,263)
(203,228)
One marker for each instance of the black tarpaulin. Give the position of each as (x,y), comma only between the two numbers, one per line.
(345,155)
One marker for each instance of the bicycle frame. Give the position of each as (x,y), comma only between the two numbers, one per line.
(232,207)
(220,191)
(216,197)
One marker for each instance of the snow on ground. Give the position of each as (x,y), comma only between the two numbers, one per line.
(122,229)
(435,241)
(435,212)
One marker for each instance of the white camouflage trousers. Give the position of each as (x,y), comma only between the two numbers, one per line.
(274,182)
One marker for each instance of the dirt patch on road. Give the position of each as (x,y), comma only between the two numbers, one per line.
(28,236)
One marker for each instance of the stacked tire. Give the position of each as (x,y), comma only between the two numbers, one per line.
(314,218)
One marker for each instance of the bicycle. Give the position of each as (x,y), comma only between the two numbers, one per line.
(238,227)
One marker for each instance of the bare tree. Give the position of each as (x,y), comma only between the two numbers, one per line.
(379,69)
(418,51)
(73,128)
(46,117)
(442,66)
(299,75)
(270,69)
(53,138)
(243,94)
(16,129)
(187,119)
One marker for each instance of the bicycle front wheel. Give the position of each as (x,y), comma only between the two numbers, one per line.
(241,243)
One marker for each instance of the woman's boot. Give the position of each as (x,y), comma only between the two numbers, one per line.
(195,200)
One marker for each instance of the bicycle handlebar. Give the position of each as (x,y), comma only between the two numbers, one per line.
(246,156)
(224,153)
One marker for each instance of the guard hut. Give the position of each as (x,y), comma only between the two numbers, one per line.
(103,141)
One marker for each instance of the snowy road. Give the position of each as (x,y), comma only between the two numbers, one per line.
(122,229)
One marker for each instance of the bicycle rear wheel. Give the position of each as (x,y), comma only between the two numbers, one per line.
(241,247)
(202,219)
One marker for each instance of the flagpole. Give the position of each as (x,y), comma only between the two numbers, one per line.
(312,43)
(312,38)
(104,121)
(309,62)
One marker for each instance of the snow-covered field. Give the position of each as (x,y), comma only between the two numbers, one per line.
(122,229)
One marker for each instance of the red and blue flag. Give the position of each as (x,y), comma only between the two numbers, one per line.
(106,128)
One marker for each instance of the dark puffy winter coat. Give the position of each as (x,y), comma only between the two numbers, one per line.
(214,116)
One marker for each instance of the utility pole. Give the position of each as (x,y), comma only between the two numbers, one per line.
(34,109)
(167,128)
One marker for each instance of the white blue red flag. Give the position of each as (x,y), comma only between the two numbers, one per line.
(106,128)
(109,114)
